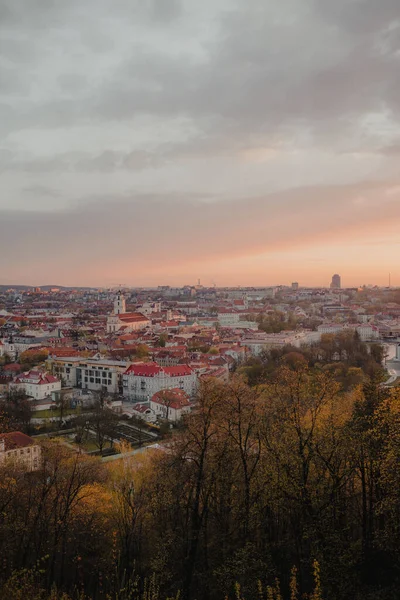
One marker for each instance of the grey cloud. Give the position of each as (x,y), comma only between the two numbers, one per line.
(359,16)
(269,70)
(41,190)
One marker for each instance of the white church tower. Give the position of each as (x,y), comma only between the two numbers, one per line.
(119,304)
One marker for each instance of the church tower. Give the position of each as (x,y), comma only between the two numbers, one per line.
(119,304)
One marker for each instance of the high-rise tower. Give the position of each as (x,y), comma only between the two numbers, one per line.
(336,282)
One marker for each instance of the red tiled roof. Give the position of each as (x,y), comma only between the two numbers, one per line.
(174,398)
(13,367)
(133,317)
(37,377)
(152,369)
(16,439)
(178,370)
(144,370)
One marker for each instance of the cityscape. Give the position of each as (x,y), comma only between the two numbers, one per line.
(199,300)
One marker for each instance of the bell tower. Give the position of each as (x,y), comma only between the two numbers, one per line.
(119,304)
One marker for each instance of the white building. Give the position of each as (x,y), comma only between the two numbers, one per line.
(21,450)
(170,404)
(142,411)
(92,374)
(330,328)
(148,308)
(228,318)
(36,384)
(142,380)
(367,332)
(120,319)
(262,342)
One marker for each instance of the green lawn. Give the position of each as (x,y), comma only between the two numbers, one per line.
(47,414)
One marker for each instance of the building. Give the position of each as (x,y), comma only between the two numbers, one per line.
(94,374)
(295,286)
(20,449)
(262,342)
(142,380)
(142,411)
(336,283)
(36,384)
(367,332)
(120,319)
(330,328)
(170,404)
(228,318)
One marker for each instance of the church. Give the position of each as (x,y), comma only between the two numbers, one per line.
(120,319)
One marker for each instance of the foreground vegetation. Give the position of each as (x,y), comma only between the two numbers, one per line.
(299,470)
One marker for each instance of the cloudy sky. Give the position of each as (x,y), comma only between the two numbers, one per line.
(148,142)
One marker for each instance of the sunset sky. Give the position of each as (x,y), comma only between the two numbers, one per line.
(242,142)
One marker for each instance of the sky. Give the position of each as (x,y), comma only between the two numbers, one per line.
(239,142)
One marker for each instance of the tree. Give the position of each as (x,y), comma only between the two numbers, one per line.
(103,422)
(18,410)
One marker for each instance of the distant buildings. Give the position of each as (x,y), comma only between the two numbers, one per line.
(295,286)
(336,283)
(120,319)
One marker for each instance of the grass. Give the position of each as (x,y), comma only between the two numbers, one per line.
(48,413)
(88,445)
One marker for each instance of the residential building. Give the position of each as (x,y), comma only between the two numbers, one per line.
(36,384)
(20,449)
(170,404)
(367,332)
(228,318)
(142,380)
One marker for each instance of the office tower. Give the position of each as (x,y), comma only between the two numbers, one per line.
(336,282)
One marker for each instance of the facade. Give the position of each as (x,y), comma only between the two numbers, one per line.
(20,449)
(331,328)
(367,332)
(228,318)
(266,341)
(120,319)
(142,381)
(148,308)
(36,384)
(94,374)
(170,404)
(144,412)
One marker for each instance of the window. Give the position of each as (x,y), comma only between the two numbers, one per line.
(91,379)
